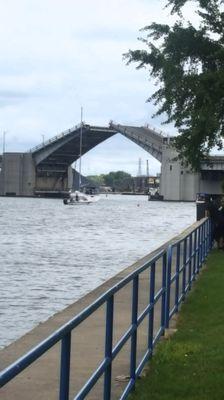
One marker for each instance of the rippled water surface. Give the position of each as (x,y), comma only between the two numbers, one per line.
(52,254)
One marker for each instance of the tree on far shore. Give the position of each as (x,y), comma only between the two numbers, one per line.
(187,62)
(119,180)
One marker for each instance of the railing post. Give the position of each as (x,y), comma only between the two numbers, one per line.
(108,346)
(177,277)
(208,236)
(151,313)
(163,305)
(199,250)
(203,241)
(184,269)
(195,253)
(169,266)
(210,233)
(65,367)
(200,247)
(190,262)
(134,325)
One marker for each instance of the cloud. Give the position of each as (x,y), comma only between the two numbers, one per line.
(61,55)
(8,97)
(7,94)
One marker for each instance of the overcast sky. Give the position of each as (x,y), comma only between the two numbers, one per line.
(59,55)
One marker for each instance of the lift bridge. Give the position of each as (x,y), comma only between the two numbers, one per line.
(46,170)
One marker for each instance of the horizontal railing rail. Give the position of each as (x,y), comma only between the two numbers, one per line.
(194,248)
(55,138)
(179,264)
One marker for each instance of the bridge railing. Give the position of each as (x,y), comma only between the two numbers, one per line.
(55,138)
(178,266)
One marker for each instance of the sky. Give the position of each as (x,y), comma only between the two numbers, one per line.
(59,55)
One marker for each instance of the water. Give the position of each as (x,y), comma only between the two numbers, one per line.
(53,254)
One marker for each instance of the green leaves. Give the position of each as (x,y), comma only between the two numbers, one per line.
(208,5)
(119,180)
(188,65)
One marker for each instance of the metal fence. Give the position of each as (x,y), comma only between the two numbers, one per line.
(179,265)
(55,138)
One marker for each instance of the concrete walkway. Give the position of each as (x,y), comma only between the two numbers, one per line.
(40,381)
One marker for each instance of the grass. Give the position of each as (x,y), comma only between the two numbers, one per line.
(190,364)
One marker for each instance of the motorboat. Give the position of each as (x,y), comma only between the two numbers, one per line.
(153,194)
(78,198)
(201,198)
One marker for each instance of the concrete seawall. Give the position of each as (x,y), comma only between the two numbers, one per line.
(40,380)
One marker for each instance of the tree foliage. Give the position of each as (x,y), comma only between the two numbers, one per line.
(187,62)
(118,180)
(96,179)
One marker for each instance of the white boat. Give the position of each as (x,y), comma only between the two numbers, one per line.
(200,198)
(78,198)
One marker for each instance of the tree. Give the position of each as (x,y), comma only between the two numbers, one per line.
(119,180)
(188,64)
(96,179)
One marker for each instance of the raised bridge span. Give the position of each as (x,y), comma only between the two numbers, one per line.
(65,148)
(46,169)
(53,158)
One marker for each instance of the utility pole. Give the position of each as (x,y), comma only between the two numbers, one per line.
(3,142)
(43,139)
(80,151)
(147,168)
(140,167)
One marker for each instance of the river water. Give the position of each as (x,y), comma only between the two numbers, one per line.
(53,254)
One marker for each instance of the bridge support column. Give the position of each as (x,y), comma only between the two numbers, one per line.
(17,177)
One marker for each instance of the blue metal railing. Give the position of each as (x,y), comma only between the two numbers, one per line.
(179,265)
(195,247)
